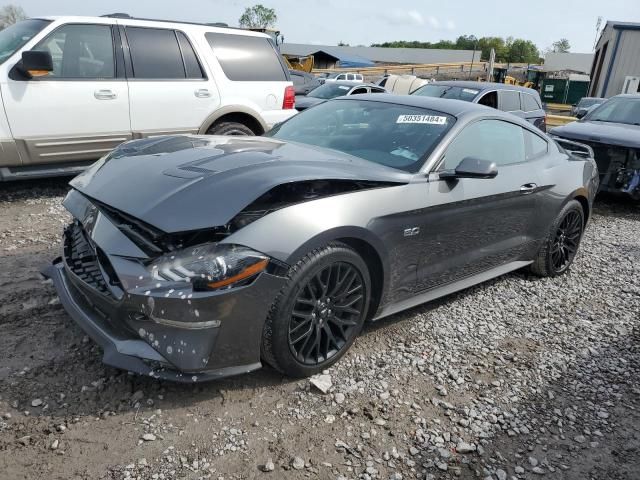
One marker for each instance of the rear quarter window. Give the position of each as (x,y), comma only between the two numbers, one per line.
(246,58)
(509,100)
(529,103)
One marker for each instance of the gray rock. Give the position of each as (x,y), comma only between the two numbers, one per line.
(297,463)
(148,437)
(464,447)
(36,402)
(339,398)
(501,474)
(322,382)
(269,466)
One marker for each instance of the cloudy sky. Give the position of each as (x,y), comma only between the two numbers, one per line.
(362,22)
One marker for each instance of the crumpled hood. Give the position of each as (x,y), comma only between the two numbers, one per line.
(181,183)
(601,132)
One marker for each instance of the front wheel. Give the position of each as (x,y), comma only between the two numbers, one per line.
(561,245)
(318,313)
(230,128)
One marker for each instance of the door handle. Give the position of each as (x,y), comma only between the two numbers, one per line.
(202,93)
(528,188)
(104,95)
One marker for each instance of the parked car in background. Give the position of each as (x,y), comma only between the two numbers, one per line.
(401,84)
(581,108)
(520,101)
(612,130)
(73,88)
(303,82)
(351,211)
(335,89)
(339,77)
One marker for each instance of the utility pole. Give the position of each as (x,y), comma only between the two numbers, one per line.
(473,56)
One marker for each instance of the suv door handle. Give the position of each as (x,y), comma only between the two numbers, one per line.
(528,188)
(202,93)
(104,95)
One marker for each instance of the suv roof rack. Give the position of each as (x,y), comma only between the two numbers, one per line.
(129,17)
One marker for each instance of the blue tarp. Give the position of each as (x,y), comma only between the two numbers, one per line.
(347,61)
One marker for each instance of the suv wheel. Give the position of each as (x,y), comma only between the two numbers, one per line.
(230,128)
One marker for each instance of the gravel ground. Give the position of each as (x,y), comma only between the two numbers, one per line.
(518,378)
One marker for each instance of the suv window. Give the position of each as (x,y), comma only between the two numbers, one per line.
(80,51)
(509,100)
(489,99)
(155,53)
(258,61)
(493,140)
(529,102)
(191,64)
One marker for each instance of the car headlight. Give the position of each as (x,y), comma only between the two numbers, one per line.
(209,266)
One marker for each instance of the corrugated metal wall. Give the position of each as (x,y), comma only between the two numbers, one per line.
(627,61)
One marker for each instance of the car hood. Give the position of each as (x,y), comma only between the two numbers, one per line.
(620,134)
(302,102)
(181,183)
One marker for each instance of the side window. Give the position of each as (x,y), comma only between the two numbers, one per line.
(155,53)
(351,76)
(80,51)
(492,140)
(509,100)
(490,99)
(529,103)
(358,91)
(341,77)
(244,58)
(297,79)
(535,145)
(191,64)
(378,90)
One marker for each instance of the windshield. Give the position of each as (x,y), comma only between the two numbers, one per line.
(393,135)
(617,110)
(447,91)
(329,90)
(587,102)
(14,37)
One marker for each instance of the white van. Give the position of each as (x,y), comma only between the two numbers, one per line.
(73,88)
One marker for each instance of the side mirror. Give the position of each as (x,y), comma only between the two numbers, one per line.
(581,113)
(36,63)
(471,167)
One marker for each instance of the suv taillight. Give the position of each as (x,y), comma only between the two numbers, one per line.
(289,101)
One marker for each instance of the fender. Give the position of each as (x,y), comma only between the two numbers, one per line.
(222,111)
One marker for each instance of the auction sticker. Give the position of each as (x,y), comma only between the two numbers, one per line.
(428,119)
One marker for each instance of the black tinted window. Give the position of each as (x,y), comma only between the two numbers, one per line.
(80,51)
(493,140)
(535,145)
(155,53)
(447,91)
(191,64)
(245,58)
(529,103)
(509,100)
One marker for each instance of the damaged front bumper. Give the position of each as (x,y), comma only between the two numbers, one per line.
(163,331)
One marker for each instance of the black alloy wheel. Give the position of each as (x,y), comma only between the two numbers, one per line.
(326,313)
(559,249)
(319,311)
(567,239)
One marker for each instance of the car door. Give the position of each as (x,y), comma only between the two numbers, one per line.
(472,225)
(169,89)
(80,110)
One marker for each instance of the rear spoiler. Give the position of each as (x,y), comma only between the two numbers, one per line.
(574,148)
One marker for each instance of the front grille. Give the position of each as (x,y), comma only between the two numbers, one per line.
(609,158)
(82,259)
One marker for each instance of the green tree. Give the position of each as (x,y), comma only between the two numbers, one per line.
(10,14)
(521,51)
(258,16)
(466,42)
(497,43)
(561,46)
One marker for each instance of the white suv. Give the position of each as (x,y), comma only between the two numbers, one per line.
(73,88)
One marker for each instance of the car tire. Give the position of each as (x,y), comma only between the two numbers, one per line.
(304,305)
(230,128)
(562,242)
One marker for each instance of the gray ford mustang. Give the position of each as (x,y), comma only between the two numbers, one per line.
(191,258)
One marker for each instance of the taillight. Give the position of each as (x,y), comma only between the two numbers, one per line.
(289,101)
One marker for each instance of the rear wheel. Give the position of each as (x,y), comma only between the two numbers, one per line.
(318,313)
(561,245)
(230,128)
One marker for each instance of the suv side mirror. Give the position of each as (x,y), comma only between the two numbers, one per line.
(471,167)
(36,63)
(581,113)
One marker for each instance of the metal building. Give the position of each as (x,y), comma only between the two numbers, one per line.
(616,65)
